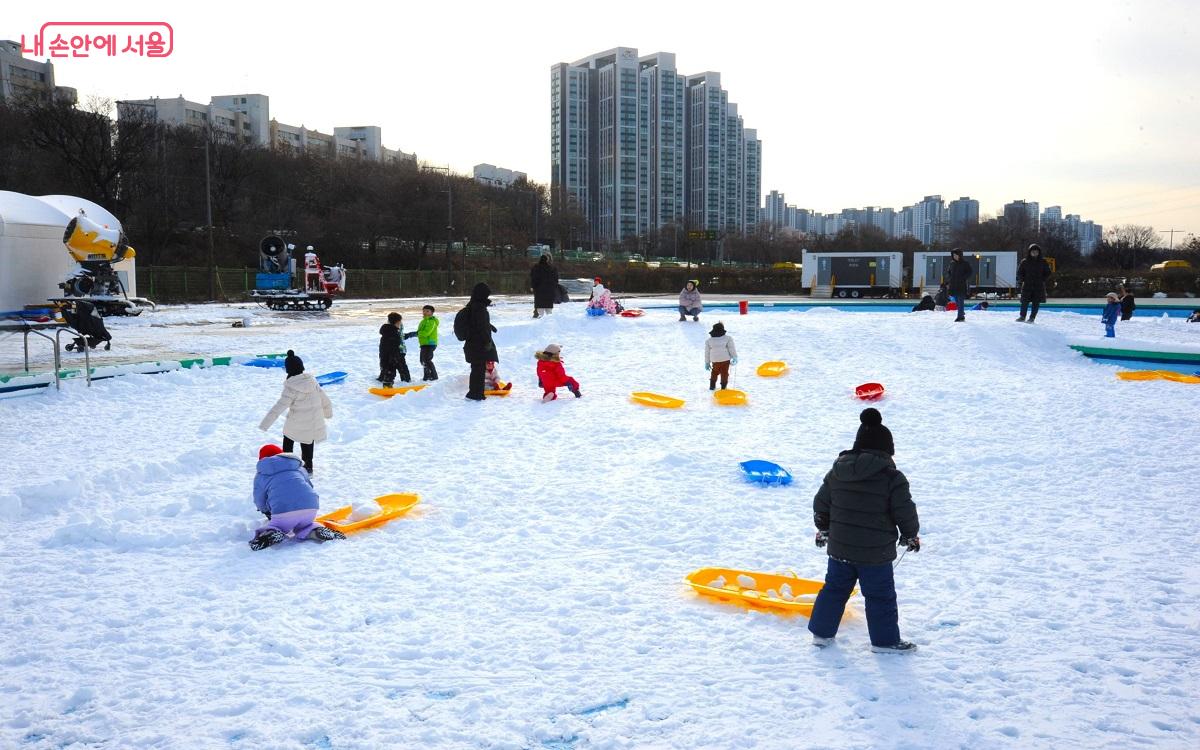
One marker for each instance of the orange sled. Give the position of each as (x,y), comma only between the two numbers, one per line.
(770,591)
(389,392)
(390,506)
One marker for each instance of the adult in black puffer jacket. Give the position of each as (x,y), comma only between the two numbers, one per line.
(958,279)
(857,511)
(544,280)
(478,347)
(1032,275)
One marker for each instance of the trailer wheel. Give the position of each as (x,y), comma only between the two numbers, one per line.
(855,293)
(842,293)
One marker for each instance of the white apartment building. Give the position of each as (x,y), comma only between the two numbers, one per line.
(247,118)
(20,76)
(490,174)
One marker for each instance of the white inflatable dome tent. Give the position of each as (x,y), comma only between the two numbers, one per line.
(33,259)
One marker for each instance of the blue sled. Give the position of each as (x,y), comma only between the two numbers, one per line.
(595,312)
(766,472)
(331,378)
(263,362)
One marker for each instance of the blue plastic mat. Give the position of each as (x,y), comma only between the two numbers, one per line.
(261,362)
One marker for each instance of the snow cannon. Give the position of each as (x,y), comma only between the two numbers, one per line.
(95,247)
(274,255)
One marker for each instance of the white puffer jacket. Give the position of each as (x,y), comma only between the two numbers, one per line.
(308,408)
(719,349)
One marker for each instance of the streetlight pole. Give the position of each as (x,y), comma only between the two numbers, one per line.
(212,268)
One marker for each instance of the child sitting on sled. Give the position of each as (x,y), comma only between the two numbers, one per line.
(283,492)
(491,379)
(552,375)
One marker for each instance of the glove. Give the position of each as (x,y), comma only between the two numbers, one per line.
(733,361)
(494,329)
(707,366)
(912,543)
(822,538)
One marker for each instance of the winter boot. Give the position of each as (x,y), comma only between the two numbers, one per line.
(575,390)
(268,538)
(507,387)
(1021,319)
(682,318)
(821,642)
(324,534)
(549,396)
(1029,321)
(902,647)
(387,383)
(696,318)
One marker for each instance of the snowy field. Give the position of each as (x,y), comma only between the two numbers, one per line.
(535,597)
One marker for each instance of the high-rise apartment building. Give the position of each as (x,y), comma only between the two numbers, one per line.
(1021,212)
(963,213)
(639,148)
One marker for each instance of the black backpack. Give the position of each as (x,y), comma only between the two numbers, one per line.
(462,324)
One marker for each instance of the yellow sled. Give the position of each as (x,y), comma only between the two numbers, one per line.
(772,369)
(1178,377)
(501,391)
(730,397)
(390,506)
(654,399)
(748,588)
(389,392)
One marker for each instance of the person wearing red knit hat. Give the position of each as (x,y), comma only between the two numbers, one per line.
(283,492)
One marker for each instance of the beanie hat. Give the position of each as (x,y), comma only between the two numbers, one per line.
(956,251)
(268,450)
(553,349)
(872,435)
(293,364)
(717,330)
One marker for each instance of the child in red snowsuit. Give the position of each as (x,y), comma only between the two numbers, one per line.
(551,374)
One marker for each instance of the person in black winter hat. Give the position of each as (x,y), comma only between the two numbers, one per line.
(959,273)
(292,364)
(1031,277)
(861,504)
(478,346)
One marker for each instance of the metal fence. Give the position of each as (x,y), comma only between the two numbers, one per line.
(190,284)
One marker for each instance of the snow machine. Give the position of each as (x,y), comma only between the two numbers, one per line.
(95,248)
(275,283)
(84,317)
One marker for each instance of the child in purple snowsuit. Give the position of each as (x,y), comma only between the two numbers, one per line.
(284,493)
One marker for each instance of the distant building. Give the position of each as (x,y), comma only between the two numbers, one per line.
(775,209)
(490,174)
(21,77)
(1087,234)
(963,213)
(638,148)
(1052,216)
(247,118)
(1021,212)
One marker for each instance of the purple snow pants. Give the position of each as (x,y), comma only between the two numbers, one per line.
(298,521)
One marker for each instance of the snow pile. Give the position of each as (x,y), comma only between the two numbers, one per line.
(535,597)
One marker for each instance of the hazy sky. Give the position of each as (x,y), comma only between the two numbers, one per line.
(1093,106)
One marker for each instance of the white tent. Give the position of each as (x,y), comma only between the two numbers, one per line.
(33,259)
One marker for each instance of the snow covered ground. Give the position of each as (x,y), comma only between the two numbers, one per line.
(535,598)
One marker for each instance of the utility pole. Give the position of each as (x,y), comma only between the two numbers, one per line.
(212,268)
(1172,233)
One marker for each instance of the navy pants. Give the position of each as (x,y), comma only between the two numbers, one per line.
(878,589)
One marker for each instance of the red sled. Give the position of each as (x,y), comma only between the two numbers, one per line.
(633,312)
(869,391)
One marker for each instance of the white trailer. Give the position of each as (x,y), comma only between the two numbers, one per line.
(854,274)
(994,271)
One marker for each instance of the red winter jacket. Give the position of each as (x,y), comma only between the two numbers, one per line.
(551,374)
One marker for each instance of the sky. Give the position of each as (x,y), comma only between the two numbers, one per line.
(1092,106)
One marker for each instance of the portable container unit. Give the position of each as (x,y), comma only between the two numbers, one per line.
(994,271)
(855,274)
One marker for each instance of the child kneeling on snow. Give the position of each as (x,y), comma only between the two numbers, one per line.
(551,373)
(862,501)
(283,492)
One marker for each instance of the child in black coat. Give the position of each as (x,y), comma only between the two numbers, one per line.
(391,351)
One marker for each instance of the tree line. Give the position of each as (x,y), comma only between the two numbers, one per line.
(401,215)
